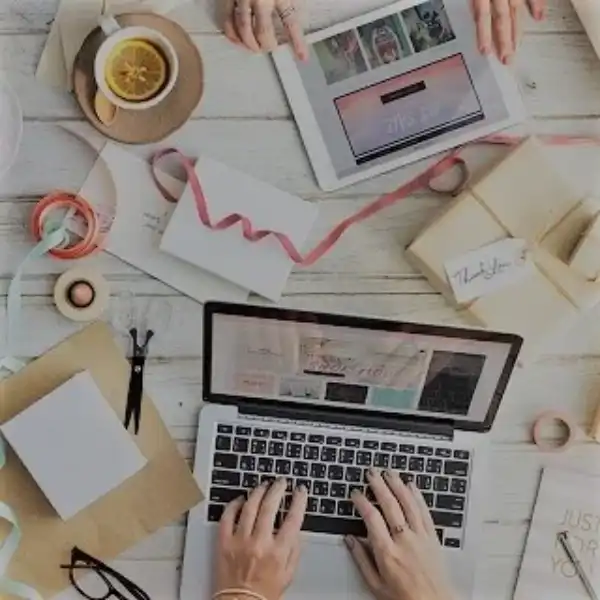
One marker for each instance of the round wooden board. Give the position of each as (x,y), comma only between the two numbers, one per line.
(153,124)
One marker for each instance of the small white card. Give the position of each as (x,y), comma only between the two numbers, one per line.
(488,269)
(74,445)
(262,267)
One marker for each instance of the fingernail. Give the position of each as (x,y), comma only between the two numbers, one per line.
(484,49)
(301,489)
(372,472)
(350,541)
(389,474)
(354,494)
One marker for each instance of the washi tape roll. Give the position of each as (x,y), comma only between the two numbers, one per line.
(553,417)
(81,295)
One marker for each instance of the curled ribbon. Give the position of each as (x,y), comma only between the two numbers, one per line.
(421,181)
(9,547)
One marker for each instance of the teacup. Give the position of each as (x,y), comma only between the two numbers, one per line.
(115,35)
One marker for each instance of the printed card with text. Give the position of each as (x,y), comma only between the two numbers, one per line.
(567,501)
(487,269)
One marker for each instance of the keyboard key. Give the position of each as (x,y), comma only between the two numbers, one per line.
(248,463)
(241,445)
(267,478)
(448,502)
(406,448)
(279,435)
(215,512)
(225,461)
(314,438)
(225,495)
(283,467)
(241,430)
(261,433)
(364,459)
(312,505)
(293,450)
(447,519)
(416,464)
(223,443)
(355,488)
(346,456)
(382,461)
(335,473)
(225,429)
(458,486)
(327,506)
(389,446)
(250,481)
(329,454)
(276,448)
(452,543)
(333,440)
(407,477)
(318,471)
(399,462)
(425,450)
(265,465)
(424,482)
(434,465)
(289,487)
(287,502)
(311,452)
(258,447)
(462,454)
(353,474)
(307,483)
(428,496)
(300,468)
(440,534)
(441,484)
(443,452)
(345,508)
(321,488)
(371,444)
(456,467)
(230,478)
(325,524)
(352,443)
(338,490)
(296,436)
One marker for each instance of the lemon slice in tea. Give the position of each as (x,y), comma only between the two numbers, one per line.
(136,70)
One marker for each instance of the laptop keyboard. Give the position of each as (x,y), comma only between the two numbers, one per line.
(331,466)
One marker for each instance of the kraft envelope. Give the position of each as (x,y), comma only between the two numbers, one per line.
(262,267)
(157,495)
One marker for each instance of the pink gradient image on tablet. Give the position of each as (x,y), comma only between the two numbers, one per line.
(409,109)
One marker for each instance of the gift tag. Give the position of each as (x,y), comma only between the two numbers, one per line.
(487,269)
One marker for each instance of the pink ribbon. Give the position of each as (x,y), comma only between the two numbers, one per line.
(424,180)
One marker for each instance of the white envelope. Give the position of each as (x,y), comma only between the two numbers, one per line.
(262,267)
(141,216)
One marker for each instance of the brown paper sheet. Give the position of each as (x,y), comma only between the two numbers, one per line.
(160,493)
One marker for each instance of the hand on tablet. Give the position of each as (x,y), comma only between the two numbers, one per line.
(498,24)
(250,23)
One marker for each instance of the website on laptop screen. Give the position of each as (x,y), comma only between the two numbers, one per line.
(345,366)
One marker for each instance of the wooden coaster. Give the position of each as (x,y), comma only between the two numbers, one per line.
(154,124)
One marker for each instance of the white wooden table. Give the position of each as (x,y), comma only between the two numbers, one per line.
(244,121)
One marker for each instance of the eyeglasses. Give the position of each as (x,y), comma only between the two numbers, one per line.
(108,583)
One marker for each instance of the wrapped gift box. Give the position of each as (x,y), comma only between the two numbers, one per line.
(522,197)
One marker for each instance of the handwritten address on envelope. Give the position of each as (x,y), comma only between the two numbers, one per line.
(487,269)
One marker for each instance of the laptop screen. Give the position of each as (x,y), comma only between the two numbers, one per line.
(418,370)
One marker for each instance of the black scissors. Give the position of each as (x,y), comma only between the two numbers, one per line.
(136,379)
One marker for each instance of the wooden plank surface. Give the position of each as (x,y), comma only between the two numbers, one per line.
(365,274)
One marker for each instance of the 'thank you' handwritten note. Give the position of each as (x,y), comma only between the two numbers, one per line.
(487,269)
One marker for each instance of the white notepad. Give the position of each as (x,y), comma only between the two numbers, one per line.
(73,445)
(262,267)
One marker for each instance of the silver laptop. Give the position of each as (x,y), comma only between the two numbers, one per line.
(320,398)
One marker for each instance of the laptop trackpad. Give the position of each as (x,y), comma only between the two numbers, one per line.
(327,570)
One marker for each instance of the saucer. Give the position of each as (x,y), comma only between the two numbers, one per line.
(158,122)
(11,126)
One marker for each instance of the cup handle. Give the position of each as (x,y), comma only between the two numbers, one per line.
(109,25)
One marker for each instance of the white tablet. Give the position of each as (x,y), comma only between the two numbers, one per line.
(395,86)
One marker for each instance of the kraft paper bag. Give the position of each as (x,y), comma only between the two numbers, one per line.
(154,497)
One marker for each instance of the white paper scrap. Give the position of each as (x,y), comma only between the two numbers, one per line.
(488,269)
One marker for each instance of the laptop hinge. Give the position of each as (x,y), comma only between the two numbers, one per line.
(359,421)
